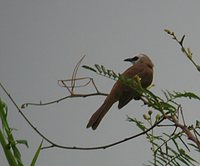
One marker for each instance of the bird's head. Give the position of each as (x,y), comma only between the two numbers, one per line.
(141,58)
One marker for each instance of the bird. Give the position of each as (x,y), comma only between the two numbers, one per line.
(142,67)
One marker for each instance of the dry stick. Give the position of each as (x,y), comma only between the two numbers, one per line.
(98,93)
(73,81)
(109,145)
(74,147)
(63,98)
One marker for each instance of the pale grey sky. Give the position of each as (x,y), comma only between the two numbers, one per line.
(41,41)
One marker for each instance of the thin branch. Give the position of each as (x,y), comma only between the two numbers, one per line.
(172,125)
(109,145)
(70,88)
(63,83)
(63,98)
(53,144)
(73,81)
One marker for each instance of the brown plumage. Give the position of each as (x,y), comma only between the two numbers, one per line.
(143,67)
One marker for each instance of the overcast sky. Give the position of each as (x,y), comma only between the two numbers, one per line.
(42,40)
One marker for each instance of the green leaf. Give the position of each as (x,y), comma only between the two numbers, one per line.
(138,123)
(109,73)
(3,115)
(187,157)
(17,155)
(167,106)
(98,68)
(115,76)
(36,154)
(104,70)
(24,142)
(89,68)
(190,95)
(183,142)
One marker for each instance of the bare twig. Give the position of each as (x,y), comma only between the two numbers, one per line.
(63,98)
(109,145)
(53,144)
(73,81)
(70,88)
(63,83)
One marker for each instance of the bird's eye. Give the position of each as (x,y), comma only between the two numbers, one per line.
(135,58)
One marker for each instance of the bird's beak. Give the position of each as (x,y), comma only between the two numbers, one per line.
(128,59)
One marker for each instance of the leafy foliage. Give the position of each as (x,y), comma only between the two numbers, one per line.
(167,148)
(8,142)
(101,70)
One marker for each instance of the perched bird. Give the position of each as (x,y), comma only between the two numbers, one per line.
(143,67)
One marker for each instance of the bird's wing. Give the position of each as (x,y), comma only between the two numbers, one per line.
(126,97)
(127,93)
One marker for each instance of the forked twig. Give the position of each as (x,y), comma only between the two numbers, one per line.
(71,88)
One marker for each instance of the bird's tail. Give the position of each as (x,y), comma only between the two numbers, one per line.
(99,114)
